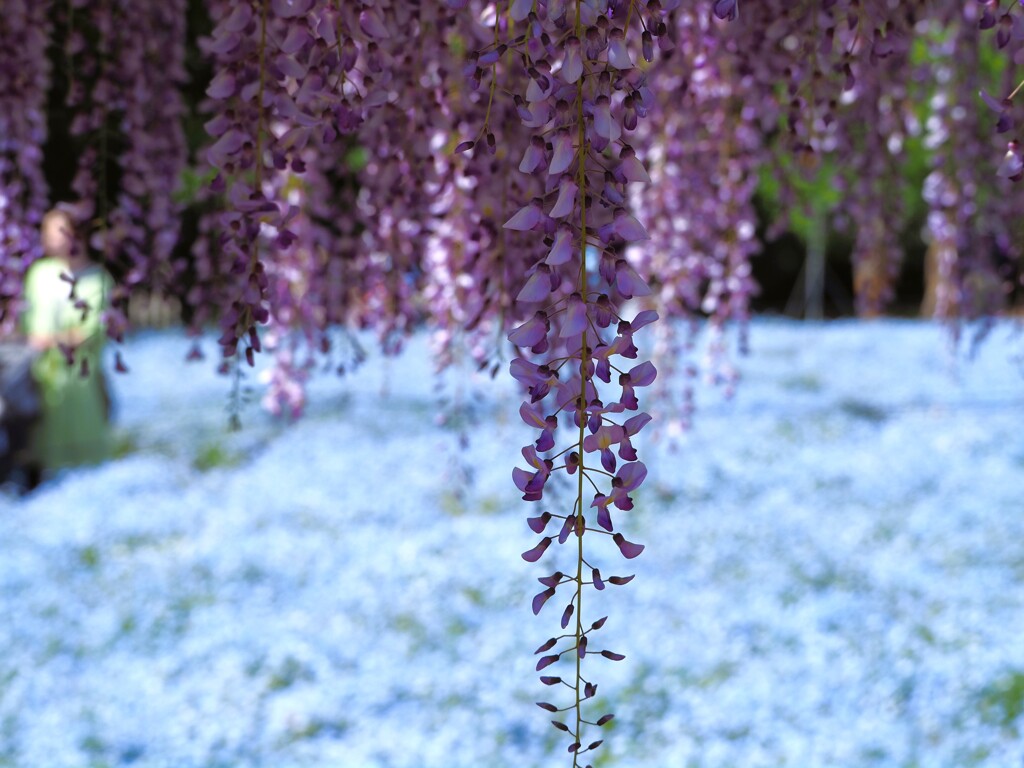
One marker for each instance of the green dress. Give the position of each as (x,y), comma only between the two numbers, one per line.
(74,427)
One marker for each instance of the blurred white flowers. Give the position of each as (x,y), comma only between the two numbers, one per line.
(833,575)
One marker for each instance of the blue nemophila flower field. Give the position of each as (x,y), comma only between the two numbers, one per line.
(833,573)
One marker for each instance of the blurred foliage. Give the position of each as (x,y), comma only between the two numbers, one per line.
(212,455)
(1002,703)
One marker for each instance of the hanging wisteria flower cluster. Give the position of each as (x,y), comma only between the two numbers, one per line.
(534,180)
(128,108)
(24,81)
(581,97)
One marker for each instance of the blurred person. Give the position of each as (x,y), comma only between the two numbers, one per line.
(65,294)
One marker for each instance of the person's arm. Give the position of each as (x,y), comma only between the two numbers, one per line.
(71,337)
(48,309)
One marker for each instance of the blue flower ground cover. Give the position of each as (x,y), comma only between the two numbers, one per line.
(834,574)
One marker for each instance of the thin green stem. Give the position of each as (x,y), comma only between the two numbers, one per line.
(259,100)
(1016,90)
(582,287)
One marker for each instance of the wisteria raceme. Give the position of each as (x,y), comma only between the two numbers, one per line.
(93,97)
(24,83)
(472,263)
(244,46)
(287,75)
(400,177)
(128,108)
(583,97)
(704,155)
(142,227)
(296,329)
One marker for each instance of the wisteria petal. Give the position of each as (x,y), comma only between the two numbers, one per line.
(643,375)
(562,249)
(565,204)
(567,615)
(533,415)
(530,333)
(634,424)
(526,218)
(632,475)
(631,169)
(546,441)
(535,461)
(524,371)
(533,555)
(239,18)
(626,450)
(537,288)
(575,320)
(520,9)
(371,24)
(567,526)
(542,597)
(618,53)
(1012,166)
(646,317)
(628,282)
(228,144)
(533,156)
(521,478)
(538,524)
(993,103)
(297,38)
(563,153)
(223,85)
(604,125)
(545,661)
(628,228)
(628,549)
(553,580)
(572,64)
(726,9)
(535,92)
(608,460)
